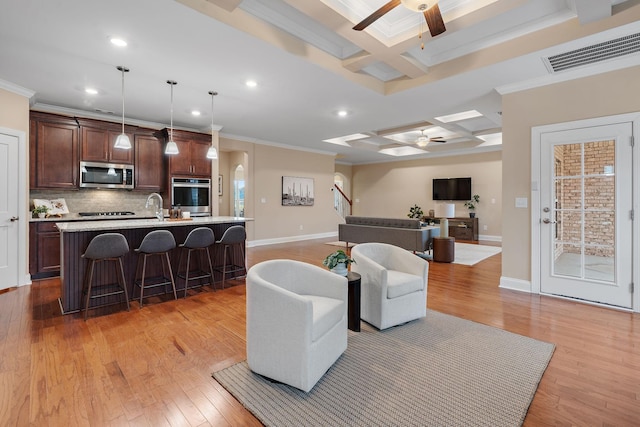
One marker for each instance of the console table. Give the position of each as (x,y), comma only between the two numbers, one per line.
(460,228)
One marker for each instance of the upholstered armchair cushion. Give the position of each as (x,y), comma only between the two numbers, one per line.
(296,321)
(394,284)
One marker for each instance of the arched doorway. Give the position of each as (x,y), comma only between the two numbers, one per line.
(238,191)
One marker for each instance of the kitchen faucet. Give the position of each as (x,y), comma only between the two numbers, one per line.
(159,213)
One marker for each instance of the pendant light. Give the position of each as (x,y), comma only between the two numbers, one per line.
(122,141)
(212,153)
(172,147)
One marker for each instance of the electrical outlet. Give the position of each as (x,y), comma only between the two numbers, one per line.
(301,227)
(485,228)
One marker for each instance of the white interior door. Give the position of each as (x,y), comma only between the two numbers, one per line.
(586,202)
(9,225)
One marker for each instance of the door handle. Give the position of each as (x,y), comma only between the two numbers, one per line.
(548,221)
(14,218)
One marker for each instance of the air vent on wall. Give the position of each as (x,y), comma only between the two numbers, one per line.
(595,53)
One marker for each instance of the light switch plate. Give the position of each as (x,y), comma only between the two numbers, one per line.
(521,202)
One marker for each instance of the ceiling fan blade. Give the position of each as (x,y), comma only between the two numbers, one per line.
(376,15)
(434,20)
(437,139)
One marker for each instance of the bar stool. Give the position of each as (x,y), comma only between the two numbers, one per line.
(105,247)
(199,239)
(158,243)
(233,236)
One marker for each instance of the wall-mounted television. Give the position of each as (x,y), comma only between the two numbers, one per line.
(452,189)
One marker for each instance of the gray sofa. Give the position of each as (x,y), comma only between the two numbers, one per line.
(405,233)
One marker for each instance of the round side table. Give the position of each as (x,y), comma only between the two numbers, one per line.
(444,249)
(353,314)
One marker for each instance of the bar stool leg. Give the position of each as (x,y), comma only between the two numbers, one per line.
(144,274)
(186,275)
(123,283)
(213,283)
(88,297)
(173,283)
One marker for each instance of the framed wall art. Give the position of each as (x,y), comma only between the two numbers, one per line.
(297,191)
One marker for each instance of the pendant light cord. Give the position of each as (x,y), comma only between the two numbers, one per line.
(123,69)
(123,99)
(171,83)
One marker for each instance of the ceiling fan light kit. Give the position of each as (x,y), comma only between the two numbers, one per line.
(418,5)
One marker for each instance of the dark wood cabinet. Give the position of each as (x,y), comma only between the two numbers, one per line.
(149,165)
(463,228)
(44,250)
(98,143)
(460,228)
(192,157)
(53,144)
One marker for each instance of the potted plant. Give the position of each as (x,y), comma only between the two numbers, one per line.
(41,211)
(415,212)
(338,262)
(471,205)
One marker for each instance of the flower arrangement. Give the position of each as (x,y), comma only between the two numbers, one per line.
(40,210)
(338,257)
(415,212)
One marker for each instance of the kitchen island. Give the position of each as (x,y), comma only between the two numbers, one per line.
(75,237)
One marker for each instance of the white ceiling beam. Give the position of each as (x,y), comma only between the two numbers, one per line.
(228,5)
(592,10)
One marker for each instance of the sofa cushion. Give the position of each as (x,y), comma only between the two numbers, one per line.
(399,283)
(326,313)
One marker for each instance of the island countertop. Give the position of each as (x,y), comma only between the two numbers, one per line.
(120,224)
(76,236)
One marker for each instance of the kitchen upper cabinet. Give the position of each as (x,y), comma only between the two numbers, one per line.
(149,167)
(98,143)
(192,157)
(53,147)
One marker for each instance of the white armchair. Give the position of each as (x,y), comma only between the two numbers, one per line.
(394,284)
(296,321)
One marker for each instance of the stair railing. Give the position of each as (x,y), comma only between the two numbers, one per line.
(342,204)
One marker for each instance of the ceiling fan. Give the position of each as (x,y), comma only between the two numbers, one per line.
(422,140)
(429,8)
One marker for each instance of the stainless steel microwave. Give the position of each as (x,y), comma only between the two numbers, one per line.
(105,175)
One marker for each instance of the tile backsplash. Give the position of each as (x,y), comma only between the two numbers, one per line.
(93,200)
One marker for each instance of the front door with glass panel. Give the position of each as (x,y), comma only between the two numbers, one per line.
(586,201)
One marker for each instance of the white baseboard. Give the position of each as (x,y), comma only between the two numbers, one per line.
(515,284)
(490,238)
(275,241)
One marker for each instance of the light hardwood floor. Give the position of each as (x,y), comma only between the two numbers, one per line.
(152,366)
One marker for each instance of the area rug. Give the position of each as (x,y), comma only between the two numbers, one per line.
(467,254)
(436,371)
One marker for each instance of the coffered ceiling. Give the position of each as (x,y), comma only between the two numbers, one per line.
(308,64)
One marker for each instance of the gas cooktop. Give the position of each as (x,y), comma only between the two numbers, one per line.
(114,213)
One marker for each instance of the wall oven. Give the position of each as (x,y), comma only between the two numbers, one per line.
(105,175)
(192,194)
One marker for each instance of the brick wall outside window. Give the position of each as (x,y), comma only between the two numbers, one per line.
(599,198)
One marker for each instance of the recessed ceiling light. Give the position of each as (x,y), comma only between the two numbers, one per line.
(459,116)
(251,83)
(118,41)
(342,113)
(195,113)
(91,91)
